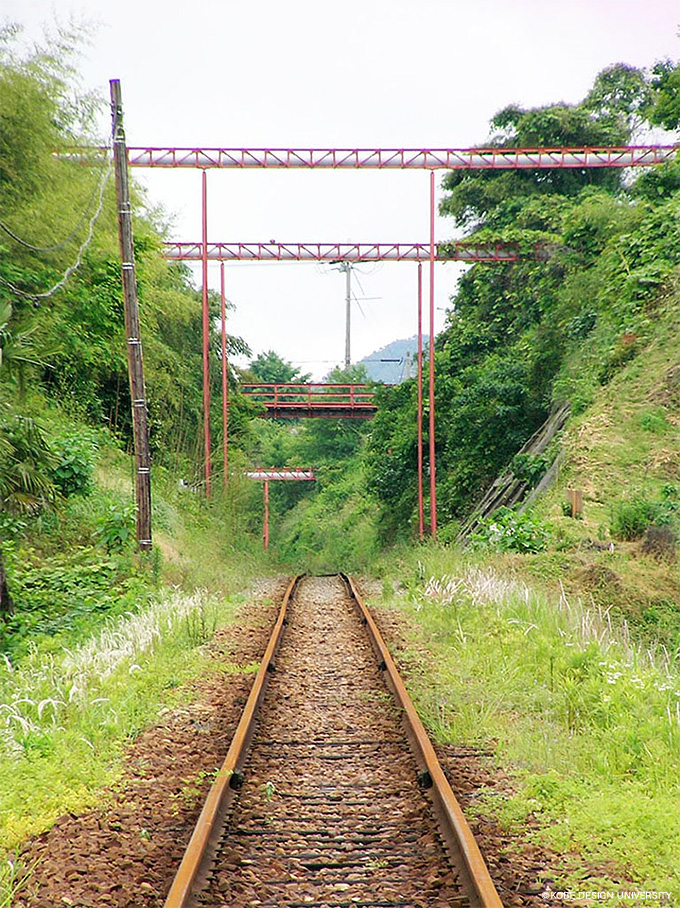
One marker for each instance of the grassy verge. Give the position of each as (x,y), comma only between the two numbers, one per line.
(64,719)
(587,722)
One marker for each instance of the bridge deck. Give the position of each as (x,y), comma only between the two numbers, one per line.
(312,400)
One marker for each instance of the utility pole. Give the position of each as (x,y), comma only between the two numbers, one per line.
(140,416)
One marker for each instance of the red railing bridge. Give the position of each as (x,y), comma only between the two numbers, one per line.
(325,400)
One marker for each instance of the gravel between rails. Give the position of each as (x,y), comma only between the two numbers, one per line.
(330,813)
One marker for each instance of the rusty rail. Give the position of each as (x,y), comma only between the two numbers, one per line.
(198,855)
(457,835)
(464,852)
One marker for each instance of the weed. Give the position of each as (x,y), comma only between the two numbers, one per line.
(509,531)
(13,878)
(76,709)
(200,623)
(116,529)
(74,467)
(268,789)
(631,517)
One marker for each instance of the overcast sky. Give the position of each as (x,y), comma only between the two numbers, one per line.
(344,74)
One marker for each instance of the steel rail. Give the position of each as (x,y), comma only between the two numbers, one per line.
(194,869)
(195,863)
(458,836)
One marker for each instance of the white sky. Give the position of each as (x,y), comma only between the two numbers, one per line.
(348,74)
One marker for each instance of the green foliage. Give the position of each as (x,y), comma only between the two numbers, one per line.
(116,528)
(335,529)
(605,117)
(530,468)
(74,465)
(666,108)
(78,708)
(592,723)
(72,344)
(522,338)
(26,464)
(270,367)
(632,517)
(65,595)
(509,531)
(621,96)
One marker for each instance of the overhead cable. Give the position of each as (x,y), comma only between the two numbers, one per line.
(79,258)
(65,241)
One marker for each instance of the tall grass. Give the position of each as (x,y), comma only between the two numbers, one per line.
(587,721)
(64,718)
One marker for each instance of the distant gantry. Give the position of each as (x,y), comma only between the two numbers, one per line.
(455,251)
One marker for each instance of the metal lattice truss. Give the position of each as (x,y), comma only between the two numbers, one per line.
(404,158)
(286,475)
(350,252)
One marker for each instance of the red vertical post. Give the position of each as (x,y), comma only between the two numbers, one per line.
(265,530)
(421,510)
(225,387)
(206,334)
(433,478)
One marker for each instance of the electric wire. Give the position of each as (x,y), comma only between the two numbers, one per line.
(65,241)
(81,251)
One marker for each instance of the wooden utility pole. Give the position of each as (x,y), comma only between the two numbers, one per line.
(140,416)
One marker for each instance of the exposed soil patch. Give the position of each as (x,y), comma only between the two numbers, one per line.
(125,852)
(599,577)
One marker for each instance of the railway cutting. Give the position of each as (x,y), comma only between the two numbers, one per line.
(331,808)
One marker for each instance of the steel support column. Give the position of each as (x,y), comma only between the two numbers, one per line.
(225,384)
(421,512)
(433,466)
(348,313)
(265,528)
(206,333)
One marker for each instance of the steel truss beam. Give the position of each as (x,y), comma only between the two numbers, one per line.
(283,474)
(350,252)
(404,158)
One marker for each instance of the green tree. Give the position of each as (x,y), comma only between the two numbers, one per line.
(270,367)
(665,110)
(506,352)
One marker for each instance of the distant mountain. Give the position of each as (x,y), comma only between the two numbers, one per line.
(395,362)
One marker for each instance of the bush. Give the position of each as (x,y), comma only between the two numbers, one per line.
(74,467)
(116,529)
(530,468)
(633,516)
(509,531)
(26,462)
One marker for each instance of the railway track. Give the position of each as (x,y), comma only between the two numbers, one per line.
(331,795)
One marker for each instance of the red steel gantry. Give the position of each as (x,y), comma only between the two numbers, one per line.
(404,158)
(284,474)
(381,159)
